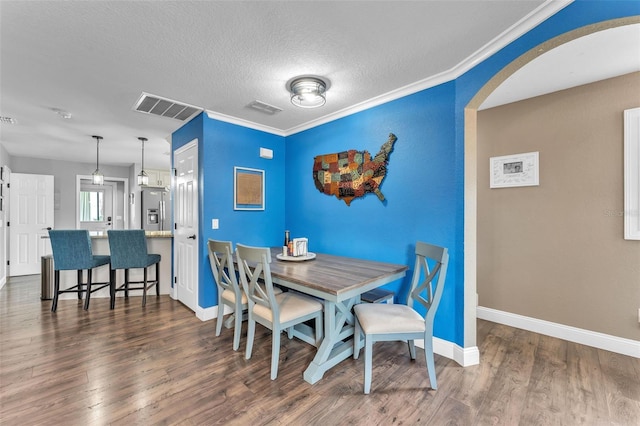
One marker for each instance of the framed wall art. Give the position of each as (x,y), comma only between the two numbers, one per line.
(632,174)
(514,170)
(248,189)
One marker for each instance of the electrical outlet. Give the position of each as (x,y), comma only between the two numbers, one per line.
(215,224)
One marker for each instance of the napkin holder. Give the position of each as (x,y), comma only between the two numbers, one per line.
(300,247)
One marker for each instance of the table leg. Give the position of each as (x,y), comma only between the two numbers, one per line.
(336,345)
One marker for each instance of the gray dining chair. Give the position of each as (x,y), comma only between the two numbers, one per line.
(277,312)
(229,291)
(393,322)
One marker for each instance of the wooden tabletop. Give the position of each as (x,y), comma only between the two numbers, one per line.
(334,278)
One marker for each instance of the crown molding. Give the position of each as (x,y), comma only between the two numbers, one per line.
(244,123)
(527,23)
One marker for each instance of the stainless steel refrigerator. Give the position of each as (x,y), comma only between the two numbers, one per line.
(156,213)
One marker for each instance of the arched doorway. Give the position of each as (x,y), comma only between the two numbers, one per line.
(471,156)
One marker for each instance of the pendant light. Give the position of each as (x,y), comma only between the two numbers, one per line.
(143,178)
(97,177)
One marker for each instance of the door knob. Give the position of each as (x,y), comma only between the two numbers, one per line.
(192,237)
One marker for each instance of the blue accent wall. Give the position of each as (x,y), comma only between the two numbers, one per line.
(419,188)
(221,147)
(424,185)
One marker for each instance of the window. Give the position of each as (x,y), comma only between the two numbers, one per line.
(92,206)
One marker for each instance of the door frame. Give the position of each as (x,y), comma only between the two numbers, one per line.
(125,198)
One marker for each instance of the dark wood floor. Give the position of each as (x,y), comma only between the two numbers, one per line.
(162,365)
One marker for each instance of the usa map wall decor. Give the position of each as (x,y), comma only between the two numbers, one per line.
(352,174)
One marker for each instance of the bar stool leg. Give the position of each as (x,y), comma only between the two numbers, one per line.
(79,284)
(144,288)
(112,288)
(88,296)
(158,279)
(126,283)
(56,290)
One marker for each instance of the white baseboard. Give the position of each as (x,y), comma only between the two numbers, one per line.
(206,314)
(463,356)
(572,334)
(3,281)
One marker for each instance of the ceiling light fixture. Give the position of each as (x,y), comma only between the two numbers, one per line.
(97,177)
(143,177)
(308,92)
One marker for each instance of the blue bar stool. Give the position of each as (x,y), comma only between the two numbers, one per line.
(72,252)
(129,251)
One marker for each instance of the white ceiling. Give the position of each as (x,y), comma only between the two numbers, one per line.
(94,59)
(594,57)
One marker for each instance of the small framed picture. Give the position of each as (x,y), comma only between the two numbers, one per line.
(248,189)
(514,170)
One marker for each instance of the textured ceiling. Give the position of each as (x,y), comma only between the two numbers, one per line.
(94,59)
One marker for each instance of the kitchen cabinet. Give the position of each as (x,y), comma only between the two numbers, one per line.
(159,177)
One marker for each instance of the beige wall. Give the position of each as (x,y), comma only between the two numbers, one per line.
(557,252)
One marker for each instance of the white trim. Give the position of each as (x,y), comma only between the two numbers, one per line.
(632,174)
(573,334)
(533,19)
(463,356)
(3,281)
(244,123)
(206,314)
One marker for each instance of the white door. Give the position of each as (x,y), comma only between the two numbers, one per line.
(96,205)
(30,218)
(185,237)
(5,174)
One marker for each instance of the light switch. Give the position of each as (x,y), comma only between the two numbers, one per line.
(215,223)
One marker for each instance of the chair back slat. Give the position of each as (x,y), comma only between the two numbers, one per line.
(222,267)
(128,248)
(71,249)
(255,274)
(427,283)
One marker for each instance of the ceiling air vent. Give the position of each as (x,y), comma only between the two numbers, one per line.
(151,104)
(264,107)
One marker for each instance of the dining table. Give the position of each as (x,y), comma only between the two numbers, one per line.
(338,281)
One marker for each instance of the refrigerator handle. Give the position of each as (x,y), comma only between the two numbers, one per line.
(161,215)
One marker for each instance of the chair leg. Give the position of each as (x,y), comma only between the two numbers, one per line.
(144,288)
(220,318)
(412,348)
(275,352)
(251,328)
(368,360)
(112,288)
(79,275)
(238,326)
(126,283)
(158,279)
(357,333)
(56,290)
(88,295)
(431,369)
